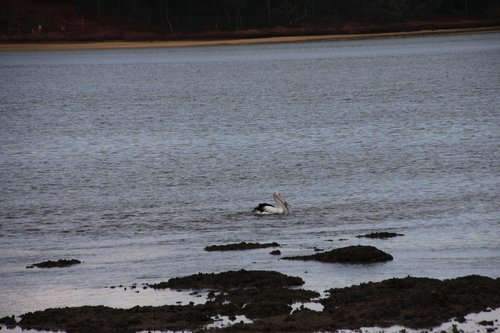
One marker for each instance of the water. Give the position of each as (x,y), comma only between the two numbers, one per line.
(134,160)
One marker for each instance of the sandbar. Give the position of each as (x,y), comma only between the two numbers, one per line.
(102,45)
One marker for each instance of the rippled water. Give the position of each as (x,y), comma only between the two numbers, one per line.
(134,160)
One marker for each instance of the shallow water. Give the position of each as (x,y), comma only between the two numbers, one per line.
(134,160)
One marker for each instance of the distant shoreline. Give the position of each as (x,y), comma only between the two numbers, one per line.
(98,45)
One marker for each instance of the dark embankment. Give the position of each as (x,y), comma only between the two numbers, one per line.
(359,254)
(240,246)
(412,302)
(55,263)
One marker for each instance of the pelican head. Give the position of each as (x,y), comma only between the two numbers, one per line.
(278,198)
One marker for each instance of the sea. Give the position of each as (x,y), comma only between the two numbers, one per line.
(134,160)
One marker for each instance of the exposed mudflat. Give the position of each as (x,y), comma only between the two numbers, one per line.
(412,302)
(240,246)
(359,254)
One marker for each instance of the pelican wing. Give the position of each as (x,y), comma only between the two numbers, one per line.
(262,207)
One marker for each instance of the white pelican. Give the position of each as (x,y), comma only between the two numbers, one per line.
(267,209)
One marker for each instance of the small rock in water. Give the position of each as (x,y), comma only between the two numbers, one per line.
(58,263)
(359,254)
(240,246)
(380,235)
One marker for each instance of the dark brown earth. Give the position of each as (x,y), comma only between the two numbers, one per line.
(380,235)
(57,263)
(240,246)
(412,302)
(359,254)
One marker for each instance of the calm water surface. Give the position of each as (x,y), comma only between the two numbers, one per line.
(134,160)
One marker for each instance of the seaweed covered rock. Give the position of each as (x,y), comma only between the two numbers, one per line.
(380,235)
(412,302)
(8,321)
(240,246)
(359,254)
(57,263)
(90,319)
(264,302)
(231,279)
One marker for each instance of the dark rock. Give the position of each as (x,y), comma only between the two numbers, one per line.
(275,252)
(231,279)
(90,319)
(412,302)
(380,235)
(58,263)
(240,246)
(359,254)
(265,301)
(8,321)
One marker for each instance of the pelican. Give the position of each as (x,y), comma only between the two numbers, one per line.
(267,209)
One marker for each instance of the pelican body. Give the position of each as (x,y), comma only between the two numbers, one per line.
(268,209)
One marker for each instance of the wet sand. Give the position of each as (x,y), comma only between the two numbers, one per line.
(58,46)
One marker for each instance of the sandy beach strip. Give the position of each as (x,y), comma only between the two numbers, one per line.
(58,46)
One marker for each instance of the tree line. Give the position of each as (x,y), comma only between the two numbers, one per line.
(201,15)
(196,15)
